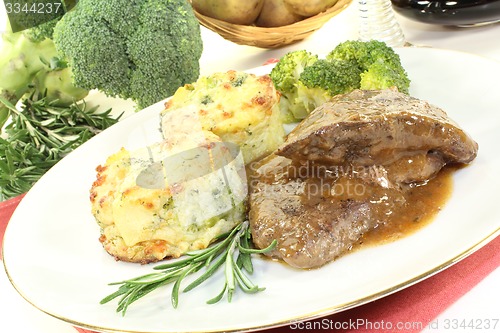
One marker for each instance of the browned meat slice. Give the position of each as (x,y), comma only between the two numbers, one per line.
(316,218)
(377,127)
(414,168)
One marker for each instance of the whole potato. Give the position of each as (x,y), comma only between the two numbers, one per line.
(275,13)
(310,8)
(232,11)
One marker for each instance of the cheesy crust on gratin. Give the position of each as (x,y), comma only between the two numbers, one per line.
(238,107)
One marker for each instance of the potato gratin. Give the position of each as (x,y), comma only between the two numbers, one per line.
(180,194)
(239,107)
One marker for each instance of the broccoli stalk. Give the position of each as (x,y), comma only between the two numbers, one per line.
(139,49)
(55,82)
(20,61)
(25,59)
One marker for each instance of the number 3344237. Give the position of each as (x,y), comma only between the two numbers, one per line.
(34,8)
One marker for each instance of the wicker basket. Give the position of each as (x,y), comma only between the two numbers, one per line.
(271,37)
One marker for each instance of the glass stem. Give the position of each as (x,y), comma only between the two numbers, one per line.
(378,21)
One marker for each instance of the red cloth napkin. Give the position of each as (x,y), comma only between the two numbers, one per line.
(414,307)
(6,210)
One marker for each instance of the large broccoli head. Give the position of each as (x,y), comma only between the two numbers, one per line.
(138,49)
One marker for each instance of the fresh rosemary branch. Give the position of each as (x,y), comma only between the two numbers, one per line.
(41,134)
(235,244)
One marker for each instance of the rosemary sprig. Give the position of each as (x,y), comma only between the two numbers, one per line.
(39,135)
(235,244)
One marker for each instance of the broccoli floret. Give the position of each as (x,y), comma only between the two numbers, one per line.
(380,64)
(285,76)
(42,31)
(334,77)
(138,49)
(288,69)
(306,82)
(347,51)
(324,79)
(381,75)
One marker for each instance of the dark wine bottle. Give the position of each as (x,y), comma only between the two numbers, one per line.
(457,12)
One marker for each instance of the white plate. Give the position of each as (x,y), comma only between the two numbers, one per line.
(54,260)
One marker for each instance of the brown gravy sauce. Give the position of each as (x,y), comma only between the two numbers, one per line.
(423,204)
(411,209)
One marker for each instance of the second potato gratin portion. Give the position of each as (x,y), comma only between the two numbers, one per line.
(180,200)
(239,107)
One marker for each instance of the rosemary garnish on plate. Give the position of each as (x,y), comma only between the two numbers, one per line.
(236,244)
